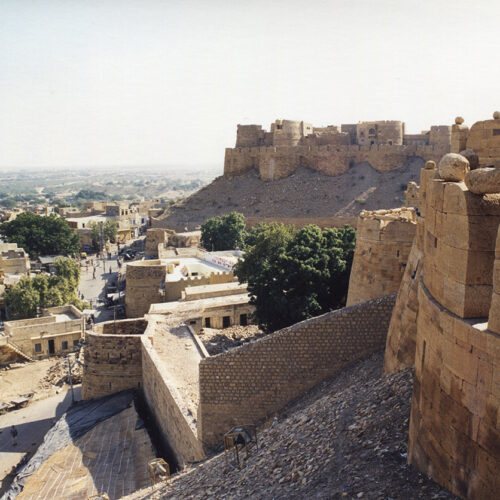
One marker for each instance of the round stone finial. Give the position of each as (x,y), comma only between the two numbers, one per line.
(453,167)
(496,115)
(472,157)
(459,120)
(430,165)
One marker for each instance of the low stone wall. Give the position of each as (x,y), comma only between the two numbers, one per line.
(454,425)
(165,406)
(300,222)
(253,381)
(112,363)
(122,327)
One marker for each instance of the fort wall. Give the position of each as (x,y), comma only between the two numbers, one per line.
(278,162)
(455,424)
(402,334)
(112,363)
(166,406)
(383,243)
(253,381)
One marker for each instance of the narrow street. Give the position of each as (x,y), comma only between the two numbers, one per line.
(93,289)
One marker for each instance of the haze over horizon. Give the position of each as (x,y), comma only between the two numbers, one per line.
(151,82)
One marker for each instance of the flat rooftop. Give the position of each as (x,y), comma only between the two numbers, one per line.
(194,308)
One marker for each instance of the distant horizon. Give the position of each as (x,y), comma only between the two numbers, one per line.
(126,83)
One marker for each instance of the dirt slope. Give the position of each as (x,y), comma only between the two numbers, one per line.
(306,193)
(347,438)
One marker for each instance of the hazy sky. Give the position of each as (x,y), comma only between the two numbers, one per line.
(115,82)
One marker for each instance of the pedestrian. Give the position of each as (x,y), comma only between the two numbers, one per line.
(110,271)
(93,276)
(13,433)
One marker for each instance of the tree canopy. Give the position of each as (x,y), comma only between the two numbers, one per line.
(293,274)
(224,232)
(41,235)
(109,232)
(30,295)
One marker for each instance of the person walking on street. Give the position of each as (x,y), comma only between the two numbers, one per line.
(110,271)
(13,433)
(93,276)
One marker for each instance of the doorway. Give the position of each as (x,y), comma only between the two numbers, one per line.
(52,349)
(226,322)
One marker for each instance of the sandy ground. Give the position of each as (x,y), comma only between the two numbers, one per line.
(23,378)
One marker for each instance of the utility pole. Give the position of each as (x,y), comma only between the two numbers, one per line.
(70,366)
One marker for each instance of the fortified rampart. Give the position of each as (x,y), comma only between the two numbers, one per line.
(383,242)
(253,381)
(451,290)
(112,357)
(274,162)
(290,145)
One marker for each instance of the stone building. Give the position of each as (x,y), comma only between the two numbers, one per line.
(293,144)
(164,280)
(58,331)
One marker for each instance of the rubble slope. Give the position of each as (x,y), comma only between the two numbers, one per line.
(306,193)
(346,438)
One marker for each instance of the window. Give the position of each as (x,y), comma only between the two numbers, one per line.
(75,343)
(192,322)
(64,345)
(372,142)
(496,131)
(279,127)
(38,347)
(226,321)
(243,320)
(371,131)
(207,322)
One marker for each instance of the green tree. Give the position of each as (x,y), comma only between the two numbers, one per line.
(295,275)
(32,294)
(225,232)
(22,299)
(40,235)
(109,232)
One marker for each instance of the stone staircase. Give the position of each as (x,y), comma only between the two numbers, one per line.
(5,341)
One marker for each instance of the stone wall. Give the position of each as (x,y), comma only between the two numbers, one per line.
(383,242)
(402,334)
(144,280)
(455,424)
(484,139)
(300,222)
(154,237)
(165,405)
(459,246)
(112,363)
(251,382)
(278,162)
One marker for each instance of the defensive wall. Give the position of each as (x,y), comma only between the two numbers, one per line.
(113,361)
(251,382)
(451,290)
(241,386)
(274,162)
(383,243)
(168,407)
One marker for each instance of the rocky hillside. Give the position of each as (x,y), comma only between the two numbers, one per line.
(347,438)
(306,193)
